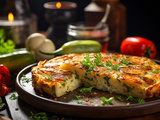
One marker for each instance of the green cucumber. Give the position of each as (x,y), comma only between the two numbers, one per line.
(17,60)
(77,46)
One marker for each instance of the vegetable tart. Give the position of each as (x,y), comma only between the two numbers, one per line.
(115,73)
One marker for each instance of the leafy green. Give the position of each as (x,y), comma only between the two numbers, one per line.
(6,46)
(2,34)
(88,63)
(107,101)
(116,67)
(155,71)
(109,63)
(80,101)
(38,116)
(91,64)
(140,100)
(119,98)
(128,88)
(113,67)
(114,58)
(107,79)
(1,103)
(145,66)
(24,79)
(76,97)
(131,98)
(13,97)
(97,60)
(125,61)
(85,90)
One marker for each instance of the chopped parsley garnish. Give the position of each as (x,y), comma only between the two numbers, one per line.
(113,67)
(131,98)
(107,79)
(24,79)
(118,78)
(76,97)
(53,87)
(114,58)
(125,61)
(77,76)
(49,77)
(97,60)
(116,67)
(88,63)
(145,66)
(155,71)
(80,101)
(119,98)
(91,64)
(85,90)
(63,84)
(109,63)
(38,116)
(107,101)
(13,97)
(140,100)
(128,88)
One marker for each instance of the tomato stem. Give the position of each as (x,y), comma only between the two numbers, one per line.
(148,52)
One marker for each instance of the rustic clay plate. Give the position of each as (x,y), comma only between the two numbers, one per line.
(91,107)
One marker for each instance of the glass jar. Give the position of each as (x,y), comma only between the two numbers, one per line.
(80,31)
(116,19)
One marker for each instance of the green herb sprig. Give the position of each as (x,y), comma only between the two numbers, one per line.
(120,98)
(140,100)
(125,61)
(88,63)
(85,90)
(38,116)
(107,101)
(13,97)
(24,79)
(107,80)
(97,60)
(155,71)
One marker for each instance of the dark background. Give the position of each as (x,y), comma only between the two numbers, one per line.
(142,16)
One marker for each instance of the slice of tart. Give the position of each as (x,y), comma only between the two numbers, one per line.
(48,78)
(115,73)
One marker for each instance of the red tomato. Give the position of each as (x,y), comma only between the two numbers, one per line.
(1,79)
(4,90)
(5,74)
(138,46)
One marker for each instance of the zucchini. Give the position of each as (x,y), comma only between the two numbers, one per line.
(17,60)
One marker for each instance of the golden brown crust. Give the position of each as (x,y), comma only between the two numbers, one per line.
(49,78)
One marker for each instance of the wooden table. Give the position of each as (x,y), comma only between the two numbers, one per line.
(19,110)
